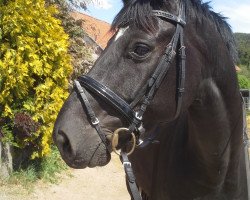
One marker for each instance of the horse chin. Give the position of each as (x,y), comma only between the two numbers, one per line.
(99,161)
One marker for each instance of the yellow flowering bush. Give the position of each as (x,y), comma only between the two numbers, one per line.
(34,67)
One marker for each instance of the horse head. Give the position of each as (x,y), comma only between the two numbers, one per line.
(143,39)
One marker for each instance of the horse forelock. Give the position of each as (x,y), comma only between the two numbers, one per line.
(138,13)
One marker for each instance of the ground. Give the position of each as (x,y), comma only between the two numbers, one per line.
(104,183)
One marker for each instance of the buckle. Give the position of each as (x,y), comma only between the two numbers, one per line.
(170,55)
(78,86)
(95,121)
(140,142)
(137,116)
(141,129)
(181,90)
(181,21)
(127,163)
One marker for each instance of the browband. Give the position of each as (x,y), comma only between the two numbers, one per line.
(169,16)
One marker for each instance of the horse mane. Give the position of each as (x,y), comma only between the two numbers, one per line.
(136,12)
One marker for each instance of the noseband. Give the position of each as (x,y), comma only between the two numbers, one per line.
(147,93)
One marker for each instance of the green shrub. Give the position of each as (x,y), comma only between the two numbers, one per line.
(81,53)
(244,82)
(34,70)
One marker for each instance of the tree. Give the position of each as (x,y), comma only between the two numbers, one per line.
(243,43)
(77,4)
(80,53)
(34,70)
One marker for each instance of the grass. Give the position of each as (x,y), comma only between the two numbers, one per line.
(245,71)
(51,166)
(47,169)
(25,178)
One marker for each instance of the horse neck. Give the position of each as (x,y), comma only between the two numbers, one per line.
(215,115)
(210,124)
(217,66)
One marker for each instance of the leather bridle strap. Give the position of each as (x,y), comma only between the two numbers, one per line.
(169,17)
(174,19)
(90,113)
(130,177)
(163,67)
(182,74)
(155,81)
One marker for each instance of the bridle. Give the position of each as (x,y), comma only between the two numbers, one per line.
(145,96)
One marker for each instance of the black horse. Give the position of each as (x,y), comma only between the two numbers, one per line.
(200,151)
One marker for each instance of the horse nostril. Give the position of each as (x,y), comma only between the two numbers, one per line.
(65,145)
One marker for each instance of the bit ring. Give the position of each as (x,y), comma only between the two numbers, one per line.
(115,140)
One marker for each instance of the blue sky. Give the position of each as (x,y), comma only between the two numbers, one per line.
(237,11)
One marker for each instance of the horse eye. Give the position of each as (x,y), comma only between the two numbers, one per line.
(141,50)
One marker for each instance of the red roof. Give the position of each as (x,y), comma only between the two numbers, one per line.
(97,29)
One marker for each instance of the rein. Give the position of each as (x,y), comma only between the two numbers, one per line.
(133,117)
